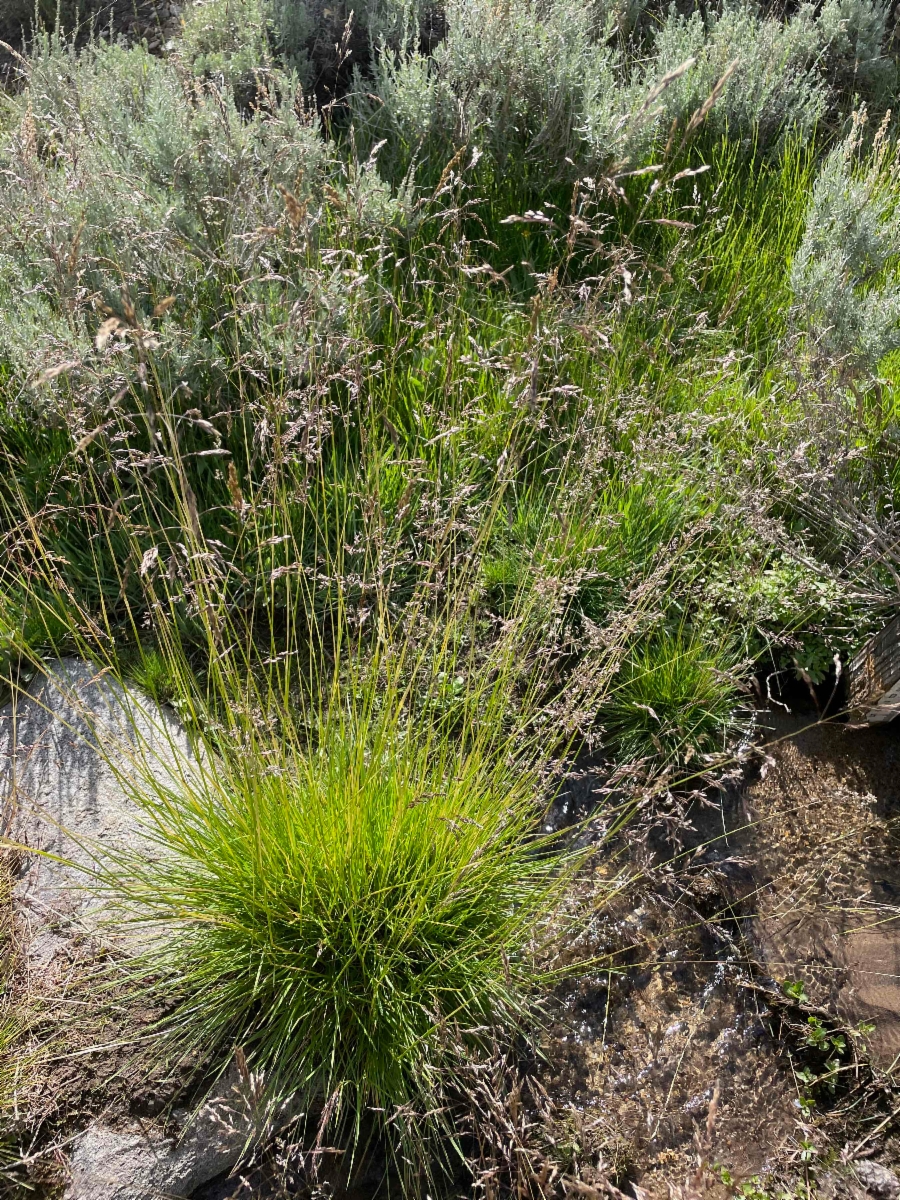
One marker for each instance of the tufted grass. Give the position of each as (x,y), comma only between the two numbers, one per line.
(357,905)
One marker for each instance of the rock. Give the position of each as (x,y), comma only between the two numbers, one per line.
(60,795)
(877,1180)
(137,1164)
(63,796)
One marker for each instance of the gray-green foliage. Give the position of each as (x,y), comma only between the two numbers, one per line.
(545,80)
(123,174)
(854,32)
(227,39)
(126,179)
(548,79)
(517,77)
(774,85)
(396,23)
(786,75)
(846,295)
(306,34)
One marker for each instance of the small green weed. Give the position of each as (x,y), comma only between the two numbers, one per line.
(795,989)
(824,1051)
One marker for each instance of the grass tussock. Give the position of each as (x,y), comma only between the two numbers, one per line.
(356,909)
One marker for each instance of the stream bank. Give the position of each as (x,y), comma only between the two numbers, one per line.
(757,977)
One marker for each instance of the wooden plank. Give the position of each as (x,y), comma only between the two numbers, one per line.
(874,676)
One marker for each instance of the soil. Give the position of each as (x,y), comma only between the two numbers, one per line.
(83,1063)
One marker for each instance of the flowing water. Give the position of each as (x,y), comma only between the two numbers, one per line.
(824,844)
(794,879)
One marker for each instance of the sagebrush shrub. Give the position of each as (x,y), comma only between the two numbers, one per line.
(855,59)
(312,35)
(846,291)
(535,83)
(127,180)
(786,75)
(227,39)
(523,80)
(774,87)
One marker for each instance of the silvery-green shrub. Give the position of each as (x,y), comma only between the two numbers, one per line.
(843,277)
(525,78)
(227,40)
(854,61)
(123,174)
(313,35)
(538,81)
(774,86)
(785,75)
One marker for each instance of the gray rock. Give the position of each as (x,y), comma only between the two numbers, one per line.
(139,1164)
(62,796)
(877,1180)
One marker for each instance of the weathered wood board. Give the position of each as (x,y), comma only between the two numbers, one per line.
(874,677)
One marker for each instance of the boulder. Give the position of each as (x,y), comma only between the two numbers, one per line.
(63,795)
(879,1181)
(141,1164)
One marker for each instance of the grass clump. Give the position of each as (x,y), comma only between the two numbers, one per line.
(355,907)
(674,694)
(151,671)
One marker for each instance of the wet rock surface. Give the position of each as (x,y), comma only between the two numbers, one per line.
(687,1050)
(877,1179)
(647,1046)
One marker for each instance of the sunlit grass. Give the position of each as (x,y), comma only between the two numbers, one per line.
(673,698)
(357,903)
(398,495)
